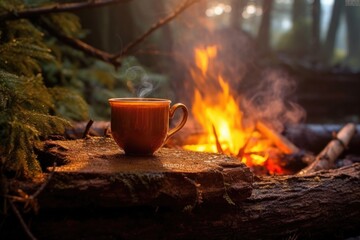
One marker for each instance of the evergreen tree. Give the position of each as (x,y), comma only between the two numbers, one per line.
(29,108)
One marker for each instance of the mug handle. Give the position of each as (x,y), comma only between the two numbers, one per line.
(183,120)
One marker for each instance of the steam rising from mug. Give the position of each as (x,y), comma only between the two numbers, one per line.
(146,85)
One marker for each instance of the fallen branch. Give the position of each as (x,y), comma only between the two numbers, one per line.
(54,8)
(326,158)
(279,140)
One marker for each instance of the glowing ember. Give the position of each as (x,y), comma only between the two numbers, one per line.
(220,117)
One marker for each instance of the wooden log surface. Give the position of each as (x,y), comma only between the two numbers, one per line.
(89,199)
(172,177)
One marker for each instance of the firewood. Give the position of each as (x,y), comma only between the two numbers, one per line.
(279,140)
(326,158)
(314,137)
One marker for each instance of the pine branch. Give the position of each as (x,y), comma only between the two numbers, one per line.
(58,7)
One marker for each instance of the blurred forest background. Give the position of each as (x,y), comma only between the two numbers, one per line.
(317,41)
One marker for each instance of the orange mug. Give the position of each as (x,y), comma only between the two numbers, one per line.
(140,126)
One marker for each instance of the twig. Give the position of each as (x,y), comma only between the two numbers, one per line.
(87,128)
(21,220)
(30,200)
(42,187)
(218,145)
(182,7)
(58,7)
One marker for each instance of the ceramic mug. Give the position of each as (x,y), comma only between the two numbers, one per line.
(140,126)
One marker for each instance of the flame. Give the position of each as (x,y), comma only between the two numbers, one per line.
(219,115)
(202,57)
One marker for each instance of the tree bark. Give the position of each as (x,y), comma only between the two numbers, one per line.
(173,178)
(103,194)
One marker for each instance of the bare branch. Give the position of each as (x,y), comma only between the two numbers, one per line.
(182,7)
(80,45)
(42,187)
(58,7)
(114,59)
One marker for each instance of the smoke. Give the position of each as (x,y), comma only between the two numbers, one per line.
(144,85)
(272,99)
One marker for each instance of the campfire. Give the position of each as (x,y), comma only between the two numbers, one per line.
(221,122)
(233,174)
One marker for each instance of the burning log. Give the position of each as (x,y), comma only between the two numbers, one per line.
(326,158)
(176,194)
(279,140)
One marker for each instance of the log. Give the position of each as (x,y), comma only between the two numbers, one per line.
(326,158)
(102,194)
(172,177)
(314,137)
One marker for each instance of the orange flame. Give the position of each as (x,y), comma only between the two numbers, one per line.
(220,117)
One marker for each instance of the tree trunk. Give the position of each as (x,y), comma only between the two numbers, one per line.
(177,194)
(237,7)
(298,10)
(352,14)
(301,30)
(263,37)
(316,13)
(329,46)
